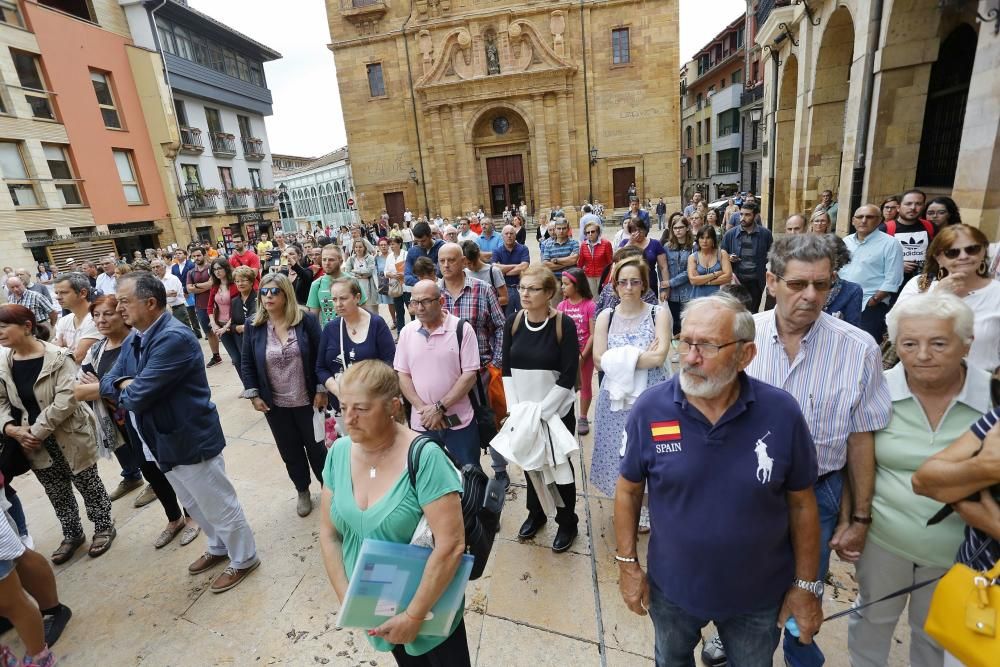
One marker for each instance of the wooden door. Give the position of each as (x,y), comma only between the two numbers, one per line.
(621,180)
(394,206)
(506,179)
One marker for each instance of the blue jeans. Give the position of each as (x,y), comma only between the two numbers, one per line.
(750,639)
(463,443)
(16,512)
(828,493)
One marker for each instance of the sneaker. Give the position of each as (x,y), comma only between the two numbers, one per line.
(582,426)
(644,520)
(55,624)
(304,505)
(232,577)
(713,653)
(214,361)
(147,496)
(125,487)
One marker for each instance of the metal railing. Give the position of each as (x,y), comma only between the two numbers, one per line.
(263,200)
(203,205)
(253,148)
(191,139)
(752,95)
(235,201)
(765,8)
(223,144)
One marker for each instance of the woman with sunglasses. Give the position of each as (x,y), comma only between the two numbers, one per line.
(709,268)
(643,328)
(220,301)
(957,262)
(595,255)
(280,347)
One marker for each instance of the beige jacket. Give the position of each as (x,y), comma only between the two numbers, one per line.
(69,421)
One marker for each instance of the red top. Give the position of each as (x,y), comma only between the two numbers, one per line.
(248,258)
(594,262)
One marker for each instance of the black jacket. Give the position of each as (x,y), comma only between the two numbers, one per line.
(254,371)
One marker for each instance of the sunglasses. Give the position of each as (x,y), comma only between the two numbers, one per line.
(970,250)
(799,285)
(270,291)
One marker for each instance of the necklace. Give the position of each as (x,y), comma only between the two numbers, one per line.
(527,323)
(372,468)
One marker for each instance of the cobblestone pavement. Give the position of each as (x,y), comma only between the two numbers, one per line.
(139,606)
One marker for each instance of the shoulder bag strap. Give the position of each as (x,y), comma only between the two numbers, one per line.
(413,458)
(517,322)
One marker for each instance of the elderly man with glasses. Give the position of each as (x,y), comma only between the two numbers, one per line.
(834,371)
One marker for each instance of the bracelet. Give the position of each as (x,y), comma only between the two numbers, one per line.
(415,618)
(855,518)
(625,559)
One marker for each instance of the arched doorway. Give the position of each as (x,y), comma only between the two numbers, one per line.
(829,101)
(785,191)
(500,138)
(944,115)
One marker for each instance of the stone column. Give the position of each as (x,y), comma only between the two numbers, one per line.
(439,165)
(977,178)
(463,169)
(565,165)
(452,167)
(541,151)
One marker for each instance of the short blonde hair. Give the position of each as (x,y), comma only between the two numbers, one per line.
(244,272)
(376,379)
(543,274)
(293,313)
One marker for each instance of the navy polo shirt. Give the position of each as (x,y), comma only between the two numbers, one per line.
(720,544)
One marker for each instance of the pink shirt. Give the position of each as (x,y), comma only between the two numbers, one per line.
(223,301)
(581,314)
(431,361)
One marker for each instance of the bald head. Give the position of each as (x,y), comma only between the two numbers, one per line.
(796,224)
(16,286)
(509,235)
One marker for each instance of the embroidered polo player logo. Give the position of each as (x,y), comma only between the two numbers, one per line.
(764,462)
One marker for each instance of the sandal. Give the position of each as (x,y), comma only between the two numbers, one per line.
(167,536)
(102,542)
(66,549)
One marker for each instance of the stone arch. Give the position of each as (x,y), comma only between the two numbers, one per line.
(827,108)
(784,191)
(492,109)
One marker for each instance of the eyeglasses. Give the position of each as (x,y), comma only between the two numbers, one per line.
(423,303)
(528,289)
(970,250)
(679,228)
(629,282)
(706,350)
(799,285)
(592,231)
(270,291)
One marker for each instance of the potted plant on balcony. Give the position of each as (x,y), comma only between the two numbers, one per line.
(206,193)
(241,191)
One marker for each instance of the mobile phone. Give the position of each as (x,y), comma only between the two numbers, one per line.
(452,420)
(88,368)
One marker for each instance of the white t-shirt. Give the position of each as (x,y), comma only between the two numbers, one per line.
(407,217)
(407,235)
(107,284)
(173,284)
(467,236)
(68,335)
(985,305)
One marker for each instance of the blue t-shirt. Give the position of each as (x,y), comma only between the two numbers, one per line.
(489,244)
(517,255)
(720,544)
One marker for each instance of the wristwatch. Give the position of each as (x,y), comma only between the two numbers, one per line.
(814,587)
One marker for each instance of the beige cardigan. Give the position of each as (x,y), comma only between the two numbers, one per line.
(69,421)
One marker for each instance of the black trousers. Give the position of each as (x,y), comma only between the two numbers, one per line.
(164,492)
(873,320)
(452,652)
(756,290)
(566,515)
(293,433)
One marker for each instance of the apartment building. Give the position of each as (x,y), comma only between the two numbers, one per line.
(80,173)
(219,92)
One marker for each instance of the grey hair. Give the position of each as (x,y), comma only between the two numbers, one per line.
(935,306)
(77,281)
(147,286)
(743,325)
(801,247)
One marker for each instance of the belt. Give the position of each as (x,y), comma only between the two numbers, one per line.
(826,476)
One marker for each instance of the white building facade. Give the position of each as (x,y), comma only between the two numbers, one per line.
(319,194)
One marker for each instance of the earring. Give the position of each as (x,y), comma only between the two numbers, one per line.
(941,273)
(984,269)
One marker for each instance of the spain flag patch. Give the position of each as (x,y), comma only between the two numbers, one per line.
(665,431)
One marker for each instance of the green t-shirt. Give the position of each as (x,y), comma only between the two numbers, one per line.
(393,518)
(899,516)
(319,297)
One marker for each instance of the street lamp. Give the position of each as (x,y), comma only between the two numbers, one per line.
(755,114)
(593,155)
(413,175)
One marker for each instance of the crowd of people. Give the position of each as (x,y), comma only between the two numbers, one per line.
(831,390)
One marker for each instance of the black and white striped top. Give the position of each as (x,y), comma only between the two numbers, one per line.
(980,551)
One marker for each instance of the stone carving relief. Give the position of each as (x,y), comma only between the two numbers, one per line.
(492,54)
(428,9)
(557,26)
(426,44)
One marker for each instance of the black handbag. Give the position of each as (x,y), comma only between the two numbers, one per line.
(483,413)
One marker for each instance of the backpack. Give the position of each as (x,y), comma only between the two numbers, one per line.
(482,411)
(890,227)
(482,503)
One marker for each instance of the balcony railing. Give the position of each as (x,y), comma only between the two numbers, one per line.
(223,145)
(203,205)
(235,201)
(752,95)
(191,140)
(253,148)
(263,200)
(766,6)
(356,10)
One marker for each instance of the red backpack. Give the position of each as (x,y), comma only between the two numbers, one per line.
(890,227)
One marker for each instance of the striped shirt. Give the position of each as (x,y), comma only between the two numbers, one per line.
(479,306)
(552,250)
(980,551)
(40,305)
(836,378)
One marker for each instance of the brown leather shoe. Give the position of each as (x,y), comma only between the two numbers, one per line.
(147,496)
(125,487)
(205,562)
(231,577)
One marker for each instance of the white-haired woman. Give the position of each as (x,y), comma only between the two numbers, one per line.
(280,347)
(936,397)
